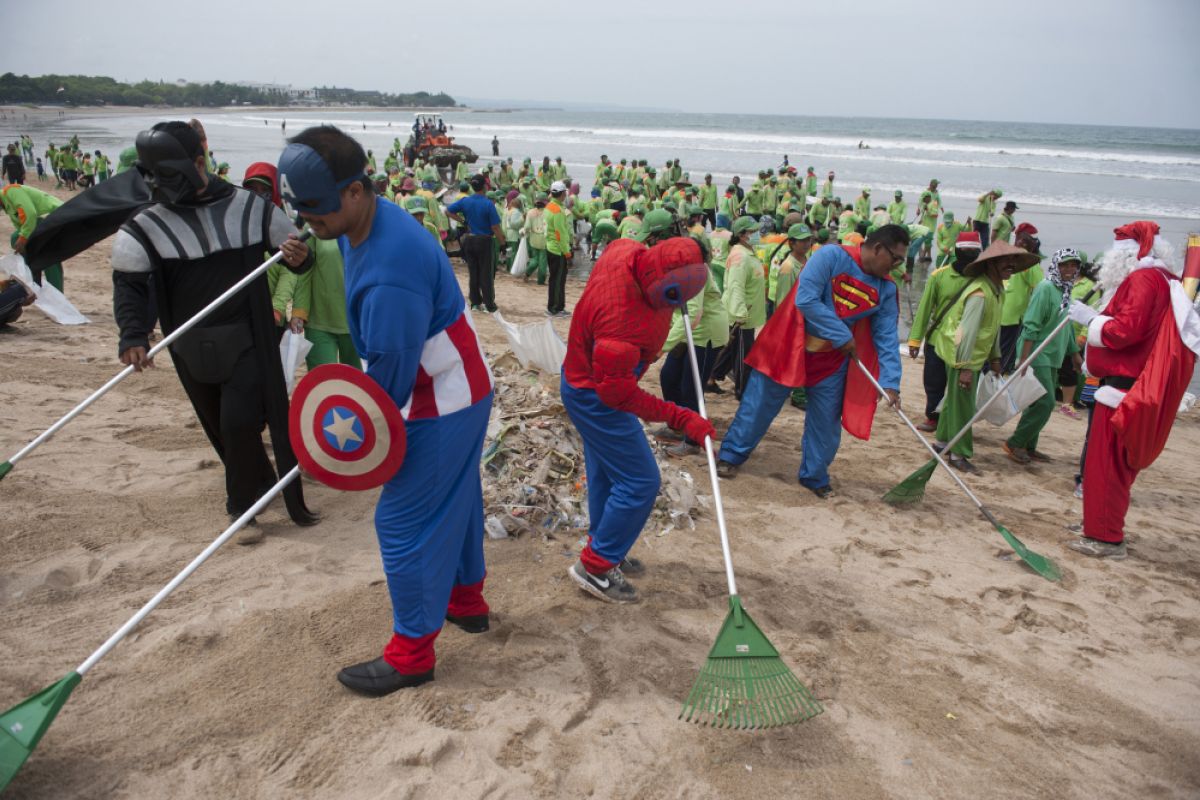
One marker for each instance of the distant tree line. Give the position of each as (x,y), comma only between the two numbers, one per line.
(88,90)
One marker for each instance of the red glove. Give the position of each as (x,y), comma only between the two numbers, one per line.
(693,425)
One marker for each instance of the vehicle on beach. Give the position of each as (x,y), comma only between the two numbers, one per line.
(431,143)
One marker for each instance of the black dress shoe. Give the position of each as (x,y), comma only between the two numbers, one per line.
(377,678)
(473,623)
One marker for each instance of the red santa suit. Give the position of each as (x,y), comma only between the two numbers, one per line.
(1143,347)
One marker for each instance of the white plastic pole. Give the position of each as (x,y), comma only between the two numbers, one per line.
(158,348)
(712,459)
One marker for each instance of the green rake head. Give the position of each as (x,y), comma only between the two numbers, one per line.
(23,725)
(745,684)
(911,490)
(1037,562)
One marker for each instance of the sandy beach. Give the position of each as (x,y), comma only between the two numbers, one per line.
(946,667)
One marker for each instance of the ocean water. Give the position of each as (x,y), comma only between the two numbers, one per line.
(1075,182)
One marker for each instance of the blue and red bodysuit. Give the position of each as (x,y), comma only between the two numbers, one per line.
(833,301)
(408,319)
(617,330)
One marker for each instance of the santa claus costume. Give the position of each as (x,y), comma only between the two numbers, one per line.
(617,331)
(1142,346)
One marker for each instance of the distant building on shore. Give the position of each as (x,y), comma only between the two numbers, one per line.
(286,93)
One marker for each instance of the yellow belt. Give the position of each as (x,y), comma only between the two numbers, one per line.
(815,344)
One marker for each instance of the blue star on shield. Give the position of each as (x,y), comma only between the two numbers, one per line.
(343,430)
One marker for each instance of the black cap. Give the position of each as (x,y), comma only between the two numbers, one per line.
(1011,206)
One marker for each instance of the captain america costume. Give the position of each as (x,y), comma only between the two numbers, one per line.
(408,319)
(834,301)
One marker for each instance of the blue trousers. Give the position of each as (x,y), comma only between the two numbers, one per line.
(761,403)
(429,518)
(622,476)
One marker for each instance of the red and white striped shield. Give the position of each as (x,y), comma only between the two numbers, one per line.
(346,431)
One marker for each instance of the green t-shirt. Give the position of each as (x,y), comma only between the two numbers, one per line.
(1044,313)
(1003,228)
(745,295)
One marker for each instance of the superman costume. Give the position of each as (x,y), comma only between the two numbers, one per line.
(617,331)
(408,319)
(833,300)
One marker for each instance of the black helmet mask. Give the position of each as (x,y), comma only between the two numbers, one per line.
(166,167)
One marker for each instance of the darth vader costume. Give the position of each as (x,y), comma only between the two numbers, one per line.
(198,238)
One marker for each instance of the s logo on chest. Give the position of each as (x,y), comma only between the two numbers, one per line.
(852,297)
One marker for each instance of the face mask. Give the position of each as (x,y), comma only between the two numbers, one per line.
(755,239)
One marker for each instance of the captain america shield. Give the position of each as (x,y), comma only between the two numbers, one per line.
(346,431)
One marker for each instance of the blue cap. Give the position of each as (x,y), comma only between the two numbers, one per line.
(307,182)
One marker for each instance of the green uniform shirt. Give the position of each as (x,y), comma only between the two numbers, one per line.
(810,185)
(710,320)
(968,335)
(819,214)
(985,209)
(1017,291)
(558,230)
(947,236)
(754,199)
(745,295)
(941,287)
(862,206)
(827,189)
(25,206)
(708,196)
(320,294)
(898,210)
(1045,311)
(1003,228)
(535,228)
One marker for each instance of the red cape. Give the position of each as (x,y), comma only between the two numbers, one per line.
(779,354)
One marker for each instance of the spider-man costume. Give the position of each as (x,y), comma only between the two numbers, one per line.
(617,330)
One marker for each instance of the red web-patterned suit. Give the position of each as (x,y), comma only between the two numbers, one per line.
(617,330)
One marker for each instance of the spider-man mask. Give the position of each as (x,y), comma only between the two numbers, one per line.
(671,272)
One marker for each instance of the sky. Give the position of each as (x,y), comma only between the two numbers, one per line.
(1107,62)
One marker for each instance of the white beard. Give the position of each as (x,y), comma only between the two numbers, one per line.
(1118,264)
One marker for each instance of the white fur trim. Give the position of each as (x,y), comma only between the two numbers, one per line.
(1126,244)
(1109,396)
(1093,330)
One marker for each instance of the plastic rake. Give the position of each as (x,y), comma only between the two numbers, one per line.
(911,490)
(1037,562)
(744,683)
(23,725)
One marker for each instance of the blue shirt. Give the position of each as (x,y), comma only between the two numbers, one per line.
(479,211)
(815,299)
(400,291)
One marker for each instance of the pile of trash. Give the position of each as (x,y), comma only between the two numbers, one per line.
(534,479)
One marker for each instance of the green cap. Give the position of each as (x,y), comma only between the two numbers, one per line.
(743,224)
(866,190)
(948,216)
(799,231)
(997,192)
(415,205)
(899,193)
(541,197)
(656,221)
(693,210)
(823,235)
(222,165)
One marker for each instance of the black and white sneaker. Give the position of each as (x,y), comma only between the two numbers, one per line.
(611,587)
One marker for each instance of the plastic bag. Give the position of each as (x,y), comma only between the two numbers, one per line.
(292,350)
(1003,409)
(1026,390)
(535,344)
(49,301)
(521,260)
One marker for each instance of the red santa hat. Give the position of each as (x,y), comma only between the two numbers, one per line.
(1025,227)
(1140,237)
(968,240)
